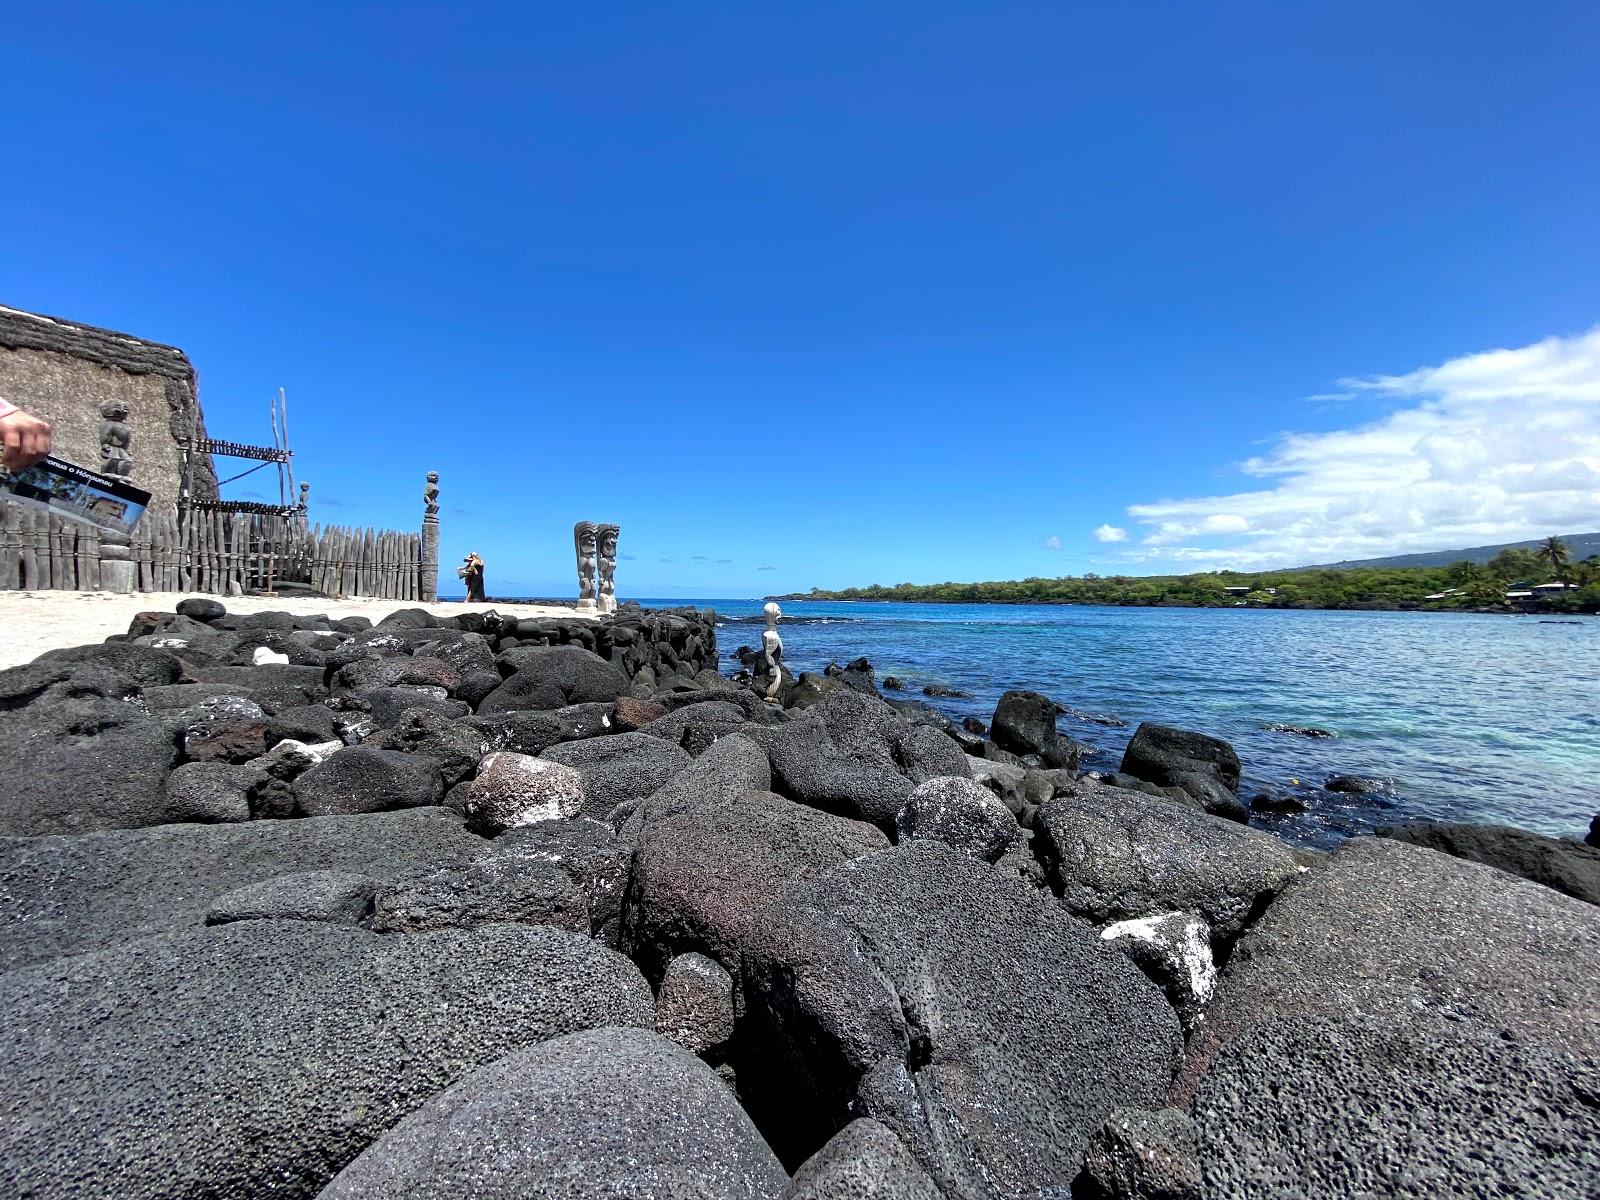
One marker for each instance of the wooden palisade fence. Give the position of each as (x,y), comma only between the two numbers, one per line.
(222,553)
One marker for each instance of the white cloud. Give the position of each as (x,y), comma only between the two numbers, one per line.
(1110,533)
(1052,542)
(1490,447)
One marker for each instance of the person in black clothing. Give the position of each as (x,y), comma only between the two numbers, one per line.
(471,572)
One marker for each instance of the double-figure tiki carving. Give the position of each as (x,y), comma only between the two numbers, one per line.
(596,546)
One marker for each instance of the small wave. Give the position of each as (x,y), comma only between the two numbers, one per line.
(785,622)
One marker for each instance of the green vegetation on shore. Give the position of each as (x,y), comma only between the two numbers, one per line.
(1460,586)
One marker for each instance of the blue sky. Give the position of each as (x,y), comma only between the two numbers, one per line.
(850,293)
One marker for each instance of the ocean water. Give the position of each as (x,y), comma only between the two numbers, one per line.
(1473,717)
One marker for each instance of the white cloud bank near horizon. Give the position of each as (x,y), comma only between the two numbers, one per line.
(1500,446)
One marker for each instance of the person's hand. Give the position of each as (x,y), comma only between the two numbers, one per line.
(26,438)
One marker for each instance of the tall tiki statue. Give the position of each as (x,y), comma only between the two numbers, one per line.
(583,538)
(606,543)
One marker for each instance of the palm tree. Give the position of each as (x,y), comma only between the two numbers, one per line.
(1554,552)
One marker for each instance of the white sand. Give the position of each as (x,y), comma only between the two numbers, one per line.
(33,622)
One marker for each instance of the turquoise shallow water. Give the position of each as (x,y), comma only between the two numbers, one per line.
(1476,718)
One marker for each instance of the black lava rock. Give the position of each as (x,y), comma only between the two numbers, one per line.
(989,1030)
(610,1112)
(1567,866)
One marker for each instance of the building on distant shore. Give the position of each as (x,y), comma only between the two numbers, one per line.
(72,375)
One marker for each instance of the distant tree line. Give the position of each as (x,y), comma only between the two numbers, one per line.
(1460,586)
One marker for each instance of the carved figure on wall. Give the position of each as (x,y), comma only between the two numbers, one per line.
(584,537)
(430,496)
(116,440)
(772,650)
(606,561)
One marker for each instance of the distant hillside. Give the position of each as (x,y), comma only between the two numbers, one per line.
(1579,547)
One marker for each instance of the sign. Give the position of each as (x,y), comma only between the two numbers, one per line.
(114,505)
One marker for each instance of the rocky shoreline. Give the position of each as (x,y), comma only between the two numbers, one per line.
(496,907)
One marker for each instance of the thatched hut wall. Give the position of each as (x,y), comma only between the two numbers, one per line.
(63,372)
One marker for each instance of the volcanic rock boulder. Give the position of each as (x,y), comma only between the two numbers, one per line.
(1394,933)
(1141,1155)
(1174,951)
(1025,723)
(343,897)
(361,779)
(615,1113)
(989,1030)
(593,857)
(619,768)
(703,873)
(850,754)
(504,885)
(454,747)
(515,789)
(78,760)
(1368,1107)
(211,792)
(730,768)
(863,1161)
(129,883)
(1205,767)
(960,813)
(553,677)
(694,1007)
(696,726)
(259,1057)
(1568,866)
(1115,854)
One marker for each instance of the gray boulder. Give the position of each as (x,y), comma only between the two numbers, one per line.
(960,813)
(505,885)
(1392,932)
(82,762)
(1319,1106)
(343,897)
(1114,854)
(810,767)
(591,855)
(1143,1155)
(535,732)
(309,723)
(863,1161)
(388,705)
(146,666)
(516,789)
(275,688)
(694,1006)
(1566,865)
(223,729)
(1174,951)
(546,677)
(615,1113)
(210,792)
(363,780)
(702,873)
(1156,751)
(734,766)
(454,747)
(619,768)
(128,883)
(696,726)
(1025,723)
(989,1030)
(259,1057)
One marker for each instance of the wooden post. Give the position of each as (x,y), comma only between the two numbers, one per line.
(10,546)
